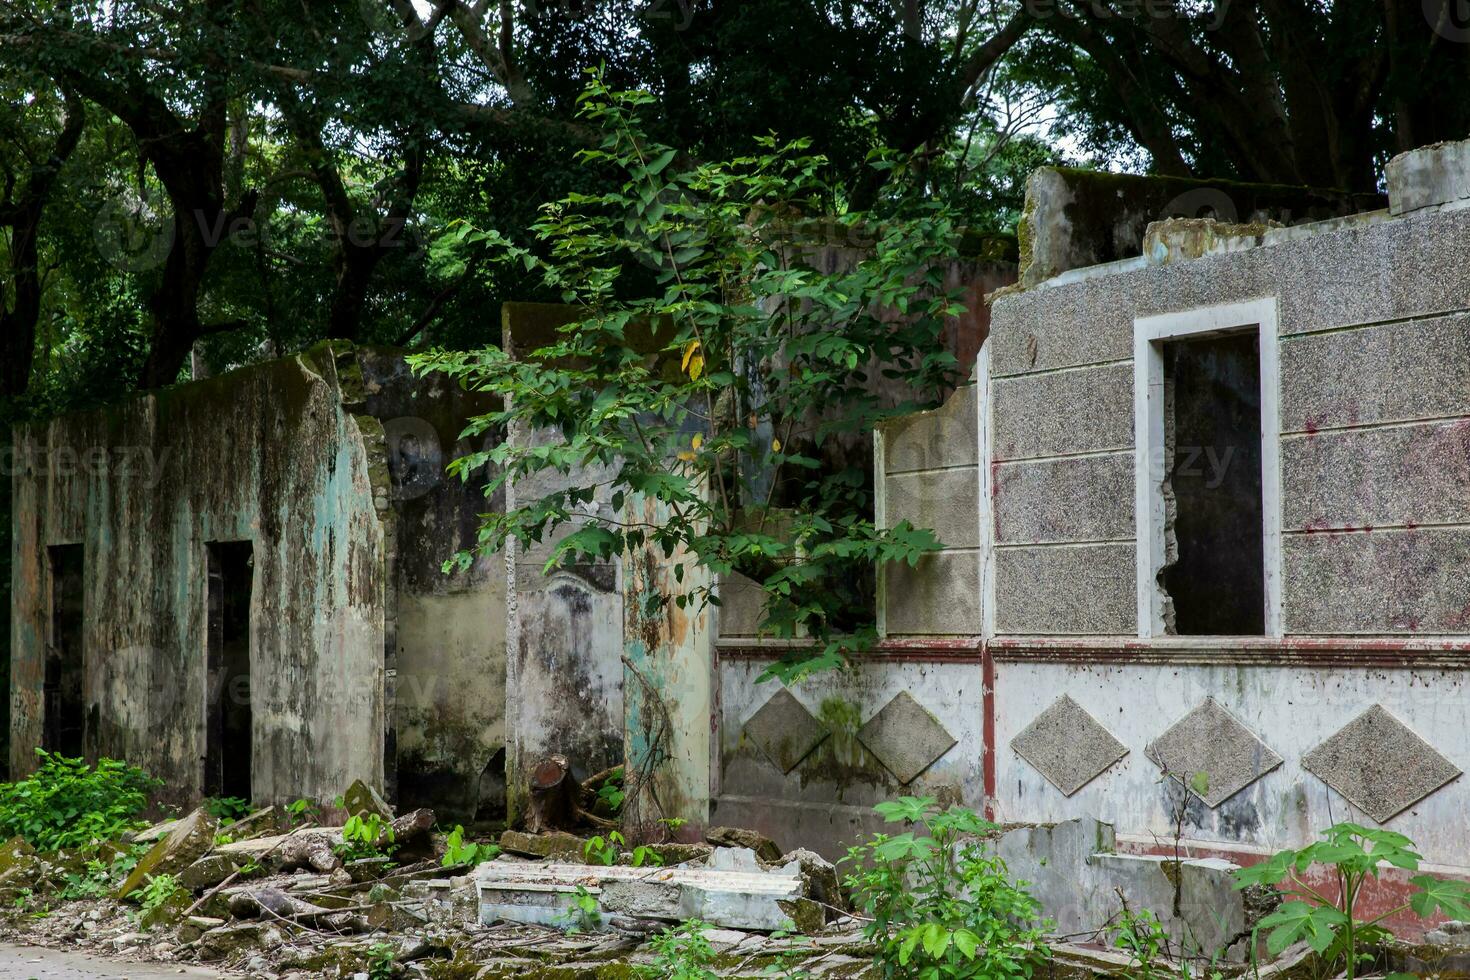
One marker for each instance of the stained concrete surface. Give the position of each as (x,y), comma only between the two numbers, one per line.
(35,963)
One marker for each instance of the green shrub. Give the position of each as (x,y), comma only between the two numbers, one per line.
(940,902)
(1334,924)
(681,953)
(366,836)
(68,803)
(227,809)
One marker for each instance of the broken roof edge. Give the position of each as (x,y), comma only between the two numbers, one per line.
(1080,224)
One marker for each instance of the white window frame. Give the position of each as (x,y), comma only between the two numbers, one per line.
(1149,335)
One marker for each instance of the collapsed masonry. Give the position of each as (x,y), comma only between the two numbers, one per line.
(1204,513)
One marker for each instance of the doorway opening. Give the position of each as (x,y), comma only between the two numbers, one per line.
(64,721)
(227,764)
(1214,508)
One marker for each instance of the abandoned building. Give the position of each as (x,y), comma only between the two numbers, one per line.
(236,585)
(1205,576)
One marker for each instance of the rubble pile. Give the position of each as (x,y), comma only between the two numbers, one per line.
(263,898)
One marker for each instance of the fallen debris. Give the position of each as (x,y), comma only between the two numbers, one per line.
(188,841)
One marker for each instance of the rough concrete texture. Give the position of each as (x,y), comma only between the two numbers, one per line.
(1379,764)
(905,737)
(564,630)
(1082,410)
(1186,239)
(669,684)
(940,596)
(1073,589)
(759,846)
(1055,859)
(1211,753)
(944,437)
(785,731)
(1428,176)
(1389,372)
(1195,899)
(444,633)
(1401,582)
(1402,476)
(1363,272)
(946,502)
(1292,706)
(1077,218)
(1071,867)
(1062,500)
(1068,746)
(543,893)
(331,465)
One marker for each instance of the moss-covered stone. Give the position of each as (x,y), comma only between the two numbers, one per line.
(190,840)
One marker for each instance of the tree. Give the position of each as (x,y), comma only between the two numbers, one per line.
(1277,91)
(41,129)
(714,389)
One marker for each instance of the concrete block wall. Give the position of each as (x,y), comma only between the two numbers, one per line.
(1350,714)
(927,475)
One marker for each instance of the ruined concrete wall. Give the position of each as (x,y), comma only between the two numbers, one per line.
(564,672)
(266,454)
(1353,713)
(1079,218)
(446,630)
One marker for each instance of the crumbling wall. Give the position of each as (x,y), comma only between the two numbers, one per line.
(446,630)
(564,672)
(266,454)
(1079,218)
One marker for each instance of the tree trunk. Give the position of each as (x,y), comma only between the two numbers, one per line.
(555,794)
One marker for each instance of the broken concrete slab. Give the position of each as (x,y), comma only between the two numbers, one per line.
(763,846)
(544,894)
(1073,871)
(191,838)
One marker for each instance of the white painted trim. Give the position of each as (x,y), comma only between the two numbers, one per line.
(1148,429)
(983,456)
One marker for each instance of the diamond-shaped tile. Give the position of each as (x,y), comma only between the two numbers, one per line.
(1208,749)
(1379,764)
(905,737)
(785,731)
(1068,746)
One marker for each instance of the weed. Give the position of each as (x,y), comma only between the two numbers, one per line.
(457,852)
(368,836)
(69,804)
(681,953)
(226,809)
(158,891)
(583,915)
(1331,926)
(611,792)
(941,904)
(301,812)
(380,957)
(605,850)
